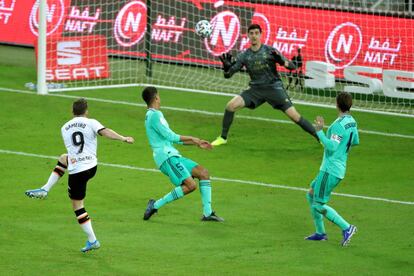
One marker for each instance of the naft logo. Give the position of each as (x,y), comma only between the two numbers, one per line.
(261,19)
(226,31)
(131,23)
(343,45)
(69,53)
(55,12)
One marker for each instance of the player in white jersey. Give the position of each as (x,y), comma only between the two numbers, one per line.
(79,136)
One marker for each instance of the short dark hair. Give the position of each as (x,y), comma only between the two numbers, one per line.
(148,94)
(254,27)
(344,101)
(79,107)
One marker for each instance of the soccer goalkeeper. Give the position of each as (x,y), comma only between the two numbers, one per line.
(265,84)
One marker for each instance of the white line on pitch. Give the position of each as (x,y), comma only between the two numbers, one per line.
(209,113)
(246,182)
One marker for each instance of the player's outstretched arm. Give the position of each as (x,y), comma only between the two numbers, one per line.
(109,133)
(229,66)
(289,65)
(282,60)
(330,144)
(189,140)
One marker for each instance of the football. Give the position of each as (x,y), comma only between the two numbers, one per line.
(203,28)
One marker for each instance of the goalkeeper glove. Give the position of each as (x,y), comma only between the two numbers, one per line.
(226,60)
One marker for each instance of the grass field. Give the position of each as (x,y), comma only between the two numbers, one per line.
(265,225)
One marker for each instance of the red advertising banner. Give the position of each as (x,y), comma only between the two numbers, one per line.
(76,58)
(335,37)
(339,38)
(19,20)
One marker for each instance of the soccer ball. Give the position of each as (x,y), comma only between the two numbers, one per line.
(203,28)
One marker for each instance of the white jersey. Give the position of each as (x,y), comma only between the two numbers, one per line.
(79,136)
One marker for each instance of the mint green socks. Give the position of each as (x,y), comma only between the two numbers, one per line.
(333,216)
(317,217)
(319,210)
(205,190)
(171,196)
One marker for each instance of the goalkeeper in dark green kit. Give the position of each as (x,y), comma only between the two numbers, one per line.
(265,84)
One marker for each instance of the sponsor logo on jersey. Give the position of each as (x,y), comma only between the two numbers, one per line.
(336,138)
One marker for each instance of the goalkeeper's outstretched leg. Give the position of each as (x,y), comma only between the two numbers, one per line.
(232,106)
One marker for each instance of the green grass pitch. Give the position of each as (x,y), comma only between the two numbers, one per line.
(264,228)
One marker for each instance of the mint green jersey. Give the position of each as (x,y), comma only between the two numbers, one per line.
(342,134)
(160,136)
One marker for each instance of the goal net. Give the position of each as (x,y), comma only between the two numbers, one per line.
(363,47)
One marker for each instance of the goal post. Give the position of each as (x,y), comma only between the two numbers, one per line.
(42,56)
(363,47)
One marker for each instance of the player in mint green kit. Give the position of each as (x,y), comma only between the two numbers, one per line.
(180,170)
(340,137)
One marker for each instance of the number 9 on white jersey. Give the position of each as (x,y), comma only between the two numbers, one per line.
(80,138)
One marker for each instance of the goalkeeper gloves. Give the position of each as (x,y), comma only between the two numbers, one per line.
(291,65)
(280,59)
(226,60)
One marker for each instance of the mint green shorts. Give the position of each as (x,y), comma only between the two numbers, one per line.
(178,169)
(323,185)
